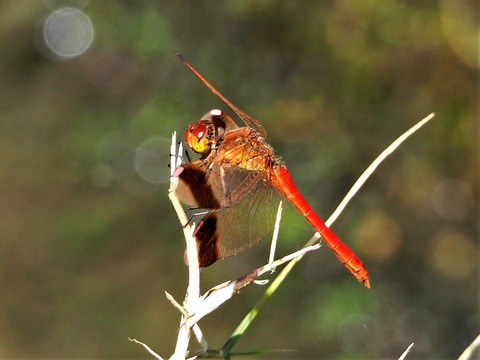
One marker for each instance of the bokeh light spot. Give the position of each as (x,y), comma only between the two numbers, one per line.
(128,177)
(460,27)
(68,32)
(416,325)
(452,199)
(152,159)
(358,334)
(454,255)
(378,235)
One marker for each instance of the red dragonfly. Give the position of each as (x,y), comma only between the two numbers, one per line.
(235,179)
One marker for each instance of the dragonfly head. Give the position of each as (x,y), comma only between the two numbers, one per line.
(199,136)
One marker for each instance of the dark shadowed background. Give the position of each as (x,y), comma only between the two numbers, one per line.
(89,242)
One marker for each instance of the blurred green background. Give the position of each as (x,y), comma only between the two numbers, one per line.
(89,241)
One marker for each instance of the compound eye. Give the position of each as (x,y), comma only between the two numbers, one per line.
(198,130)
(197,137)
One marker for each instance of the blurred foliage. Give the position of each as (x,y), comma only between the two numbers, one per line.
(88,246)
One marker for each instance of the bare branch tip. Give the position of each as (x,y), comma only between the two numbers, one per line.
(403,356)
(153,353)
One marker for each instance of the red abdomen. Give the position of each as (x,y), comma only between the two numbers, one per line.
(283,182)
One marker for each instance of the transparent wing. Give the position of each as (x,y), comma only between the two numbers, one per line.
(212,187)
(229,230)
(245,224)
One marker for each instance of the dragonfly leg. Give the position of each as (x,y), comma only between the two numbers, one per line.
(200,213)
(187,155)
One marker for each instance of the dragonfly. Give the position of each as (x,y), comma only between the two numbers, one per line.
(235,180)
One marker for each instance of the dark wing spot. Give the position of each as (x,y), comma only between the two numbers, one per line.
(207,238)
(196,181)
